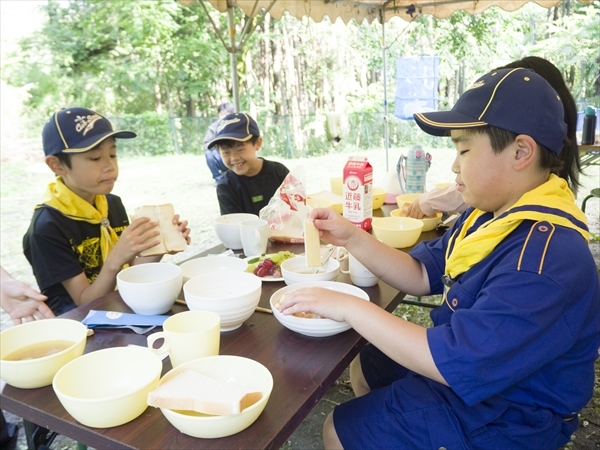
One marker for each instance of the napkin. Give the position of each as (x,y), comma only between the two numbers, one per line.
(113,319)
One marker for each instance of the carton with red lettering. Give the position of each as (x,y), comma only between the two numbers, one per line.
(358,192)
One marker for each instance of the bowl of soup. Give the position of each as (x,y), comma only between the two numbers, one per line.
(32,353)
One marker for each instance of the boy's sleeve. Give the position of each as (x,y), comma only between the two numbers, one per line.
(50,255)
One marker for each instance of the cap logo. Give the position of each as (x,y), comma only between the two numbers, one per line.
(476,85)
(83,124)
(224,123)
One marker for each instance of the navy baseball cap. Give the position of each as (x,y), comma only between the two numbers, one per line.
(237,127)
(77,130)
(518,100)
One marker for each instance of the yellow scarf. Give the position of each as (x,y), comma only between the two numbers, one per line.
(71,205)
(553,202)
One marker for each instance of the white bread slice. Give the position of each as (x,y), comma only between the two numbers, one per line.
(312,244)
(192,391)
(172,239)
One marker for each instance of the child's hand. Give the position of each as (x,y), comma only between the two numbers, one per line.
(140,235)
(333,228)
(183,228)
(323,302)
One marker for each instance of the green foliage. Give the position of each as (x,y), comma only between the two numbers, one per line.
(154,136)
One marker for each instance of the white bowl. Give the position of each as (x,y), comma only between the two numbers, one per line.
(314,327)
(397,232)
(150,288)
(294,270)
(68,335)
(206,264)
(227,228)
(108,387)
(232,369)
(232,295)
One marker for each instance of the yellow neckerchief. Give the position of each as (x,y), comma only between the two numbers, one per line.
(71,205)
(553,202)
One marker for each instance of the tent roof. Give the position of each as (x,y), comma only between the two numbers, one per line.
(371,9)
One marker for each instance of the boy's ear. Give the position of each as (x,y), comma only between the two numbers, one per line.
(525,150)
(259,142)
(55,165)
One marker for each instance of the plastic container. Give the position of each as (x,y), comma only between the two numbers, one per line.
(588,136)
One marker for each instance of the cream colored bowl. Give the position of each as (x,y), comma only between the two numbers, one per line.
(378,197)
(406,198)
(294,270)
(207,264)
(429,222)
(397,232)
(312,326)
(337,185)
(108,387)
(232,295)
(233,369)
(227,228)
(36,338)
(150,288)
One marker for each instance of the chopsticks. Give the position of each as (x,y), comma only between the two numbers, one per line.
(258,308)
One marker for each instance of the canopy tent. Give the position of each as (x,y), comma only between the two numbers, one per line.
(360,10)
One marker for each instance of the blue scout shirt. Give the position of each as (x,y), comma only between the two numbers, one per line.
(520,327)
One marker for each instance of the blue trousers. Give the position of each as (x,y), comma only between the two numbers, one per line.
(215,163)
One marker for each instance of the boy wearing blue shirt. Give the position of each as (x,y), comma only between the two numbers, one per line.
(510,359)
(250,182)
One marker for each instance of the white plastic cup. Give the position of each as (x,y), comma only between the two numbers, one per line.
(359,274)
(188,335)
(254,235)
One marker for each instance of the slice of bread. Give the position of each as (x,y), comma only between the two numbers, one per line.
(172,239)
(192,391)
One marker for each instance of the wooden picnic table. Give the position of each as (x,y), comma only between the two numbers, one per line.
(303,369)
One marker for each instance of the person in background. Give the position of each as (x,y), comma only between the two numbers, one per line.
(23,304)
(509,360)
(251,181)
(213,158)
(80,237)
(449,199)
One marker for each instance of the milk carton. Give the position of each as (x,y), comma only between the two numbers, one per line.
(358,192)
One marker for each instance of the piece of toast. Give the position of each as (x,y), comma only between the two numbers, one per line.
(192,391)
(172,240)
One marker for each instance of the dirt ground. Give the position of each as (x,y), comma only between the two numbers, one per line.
(185,181)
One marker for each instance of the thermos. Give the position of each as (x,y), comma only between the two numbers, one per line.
(588,136)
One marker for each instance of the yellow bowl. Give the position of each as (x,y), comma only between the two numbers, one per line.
(40,336)
(233,369)
(406,198)
(338,208)
(318,203)
(429,222)
(397,232)
(336,185)
(378,197)
(108,387)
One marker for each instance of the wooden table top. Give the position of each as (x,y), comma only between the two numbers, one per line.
(303,369)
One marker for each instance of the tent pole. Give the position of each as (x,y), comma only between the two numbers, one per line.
(233,50)
(385,102)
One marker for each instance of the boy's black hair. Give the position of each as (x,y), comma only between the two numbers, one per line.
(501,138)
(229,143)
(64,158)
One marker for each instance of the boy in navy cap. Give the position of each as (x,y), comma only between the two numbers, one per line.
(509,361)
(251,182)
(80,236)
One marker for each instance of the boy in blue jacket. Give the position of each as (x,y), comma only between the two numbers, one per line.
(509,361)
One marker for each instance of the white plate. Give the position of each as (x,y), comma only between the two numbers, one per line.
(268,277)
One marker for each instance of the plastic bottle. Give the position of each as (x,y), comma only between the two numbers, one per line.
(588,136)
